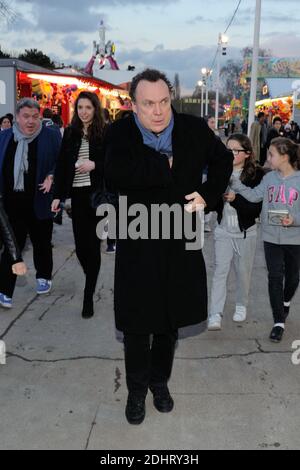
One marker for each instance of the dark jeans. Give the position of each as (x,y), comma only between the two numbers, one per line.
(87,244)
(24,222)
(148,365)
(283,263)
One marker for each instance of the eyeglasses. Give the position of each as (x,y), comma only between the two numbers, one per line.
(237,151)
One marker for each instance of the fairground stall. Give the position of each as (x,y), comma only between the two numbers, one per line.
(56,89)
(296,100)
(275,79)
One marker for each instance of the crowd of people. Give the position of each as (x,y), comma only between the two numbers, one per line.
(262,133)
(154,156)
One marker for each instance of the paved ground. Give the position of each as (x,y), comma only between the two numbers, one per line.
(63,386)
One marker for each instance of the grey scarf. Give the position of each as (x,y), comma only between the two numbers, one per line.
(21,156)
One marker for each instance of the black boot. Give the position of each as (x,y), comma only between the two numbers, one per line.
(135,409)
(162,399)
(88,308)
(88,305)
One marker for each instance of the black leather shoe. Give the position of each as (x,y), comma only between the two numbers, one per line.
(135,409)
(276,334)
(88,309)
(162,399)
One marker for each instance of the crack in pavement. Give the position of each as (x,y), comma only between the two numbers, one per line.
(119,359)
(204,394)
(67,359)
(229,356)
(93,425)
(61,296)
(32,300)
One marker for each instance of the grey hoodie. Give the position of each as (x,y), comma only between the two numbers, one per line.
(278,193)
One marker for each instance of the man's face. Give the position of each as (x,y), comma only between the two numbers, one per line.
(28,120)
(153,105)
(277,125)
(262,120)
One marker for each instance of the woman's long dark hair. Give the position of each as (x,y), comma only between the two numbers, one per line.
(95,130)
(250,166)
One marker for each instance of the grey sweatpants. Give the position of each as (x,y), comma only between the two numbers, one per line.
(241,251)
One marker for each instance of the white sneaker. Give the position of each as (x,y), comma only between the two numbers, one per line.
(240,314)
(214,322)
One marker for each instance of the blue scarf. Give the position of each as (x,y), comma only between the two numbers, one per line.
(161,143)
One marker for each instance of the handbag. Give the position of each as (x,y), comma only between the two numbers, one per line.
(102,196)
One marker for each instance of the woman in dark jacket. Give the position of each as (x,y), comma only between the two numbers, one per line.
(78,174)
(236,234)
(7,238)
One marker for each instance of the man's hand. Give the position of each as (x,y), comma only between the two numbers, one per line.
(86,167)
(19,269)
(46,185)
(196,204)
(287,221)
(171,162)
(229,197)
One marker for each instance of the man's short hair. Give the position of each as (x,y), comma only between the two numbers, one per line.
(277,119)
(150,75)
(27,103)
(260,115)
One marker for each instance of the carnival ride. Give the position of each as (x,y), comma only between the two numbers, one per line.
(103,64)
(103,52)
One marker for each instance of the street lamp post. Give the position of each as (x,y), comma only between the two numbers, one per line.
(200,84)
(253,91)
(206,73)
(222,43)
(206,99)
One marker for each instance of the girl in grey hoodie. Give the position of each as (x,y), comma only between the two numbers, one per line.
(280,220)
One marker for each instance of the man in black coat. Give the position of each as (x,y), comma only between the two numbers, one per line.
(8,239)
(157,157)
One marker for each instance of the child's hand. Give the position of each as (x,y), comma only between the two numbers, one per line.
(287,221)
(230,197)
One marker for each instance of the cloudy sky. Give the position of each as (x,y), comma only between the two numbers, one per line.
(173,35)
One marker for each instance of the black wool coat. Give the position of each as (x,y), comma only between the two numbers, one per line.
(7,237)
(247,211)
(159,285)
